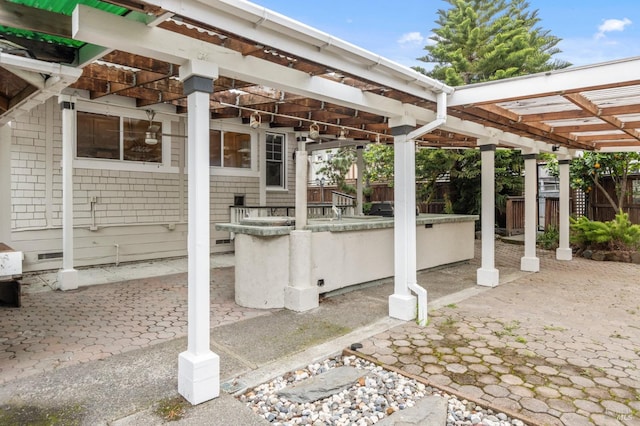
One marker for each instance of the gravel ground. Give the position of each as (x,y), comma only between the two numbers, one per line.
(376,395)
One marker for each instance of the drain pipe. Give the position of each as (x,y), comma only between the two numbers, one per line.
(441,118)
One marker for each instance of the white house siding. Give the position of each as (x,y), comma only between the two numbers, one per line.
(138,215)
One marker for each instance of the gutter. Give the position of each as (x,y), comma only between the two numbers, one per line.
(54,77)
(281,32)
(441,118)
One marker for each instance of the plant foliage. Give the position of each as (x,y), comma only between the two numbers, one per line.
(481,40)
(617,234)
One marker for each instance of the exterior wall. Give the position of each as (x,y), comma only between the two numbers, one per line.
(121,213)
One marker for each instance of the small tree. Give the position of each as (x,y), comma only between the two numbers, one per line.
(588,171)
(338,166)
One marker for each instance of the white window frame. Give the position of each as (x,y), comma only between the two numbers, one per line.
(283,186)
(237,171)
(126,165)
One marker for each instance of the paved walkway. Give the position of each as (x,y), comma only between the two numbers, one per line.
(561,346)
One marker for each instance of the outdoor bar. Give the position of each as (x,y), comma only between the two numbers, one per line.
(343,252)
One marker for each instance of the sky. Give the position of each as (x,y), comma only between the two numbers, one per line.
(592,31)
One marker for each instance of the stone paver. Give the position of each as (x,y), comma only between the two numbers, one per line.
(55,329)
(559,346)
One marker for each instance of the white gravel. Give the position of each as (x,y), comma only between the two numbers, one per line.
(377,394)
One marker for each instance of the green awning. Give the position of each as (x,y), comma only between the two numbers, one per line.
(64,7)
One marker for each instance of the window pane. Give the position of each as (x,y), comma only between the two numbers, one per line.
(274,173)
(215,157)
(275,160)
(237,150)
(138,138)
(98,136)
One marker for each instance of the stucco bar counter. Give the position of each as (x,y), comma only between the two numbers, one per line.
(337,253)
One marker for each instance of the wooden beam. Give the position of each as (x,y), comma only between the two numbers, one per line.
(594,109)
(33,19)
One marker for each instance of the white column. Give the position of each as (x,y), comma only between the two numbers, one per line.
(530,262)
(301,186)
(563,252)
(67,276)
(359,182)
(301,294)
(198,367)
(402,304)
(5,184)
(488,275)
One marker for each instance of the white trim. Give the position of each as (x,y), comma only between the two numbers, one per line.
(285,159)
(126,165)
(253,171)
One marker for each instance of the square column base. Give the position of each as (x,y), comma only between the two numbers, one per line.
(403,307)
(530,264)
(198,377)
(564,254)
(300,299)
(488,277)
(67,279)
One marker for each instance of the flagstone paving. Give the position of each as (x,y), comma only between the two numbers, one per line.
(561,346)
(55,329)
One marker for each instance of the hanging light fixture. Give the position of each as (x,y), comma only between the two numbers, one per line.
(150,137)
(342,135)
(314,131)
(255,120)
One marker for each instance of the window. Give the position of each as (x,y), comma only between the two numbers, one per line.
(635,195)
(275,156)
(118,138)
(229,149)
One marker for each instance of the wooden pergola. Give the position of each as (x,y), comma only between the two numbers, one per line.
(232,59)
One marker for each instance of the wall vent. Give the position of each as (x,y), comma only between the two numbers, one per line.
(227,241)
(45,256)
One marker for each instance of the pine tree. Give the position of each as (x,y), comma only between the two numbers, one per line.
(482,40)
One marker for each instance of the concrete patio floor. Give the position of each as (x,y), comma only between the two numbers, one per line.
(561,346)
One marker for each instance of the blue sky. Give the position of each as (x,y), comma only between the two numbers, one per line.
(592,31)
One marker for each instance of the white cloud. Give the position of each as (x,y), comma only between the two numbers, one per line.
(612,25)
(411,39)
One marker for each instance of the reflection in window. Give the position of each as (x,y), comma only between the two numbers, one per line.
(229,149)
(118,138)
(275,160)
(635,196)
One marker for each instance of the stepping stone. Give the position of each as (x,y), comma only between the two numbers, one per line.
(322,385)
(430,410)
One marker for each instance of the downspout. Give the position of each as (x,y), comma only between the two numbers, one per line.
(441,118)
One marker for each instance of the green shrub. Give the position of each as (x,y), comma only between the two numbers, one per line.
(617,234)
(549,239)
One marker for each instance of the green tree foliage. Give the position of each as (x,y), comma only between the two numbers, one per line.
(466,180)
(587,173)
(337,167)
(482,40)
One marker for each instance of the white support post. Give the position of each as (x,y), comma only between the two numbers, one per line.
(530,262)
(67,276)
(563,252)
(5,184)
(301,294)
(301,186)
(488,275)
(359,182)
(198,367)
(402,304)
